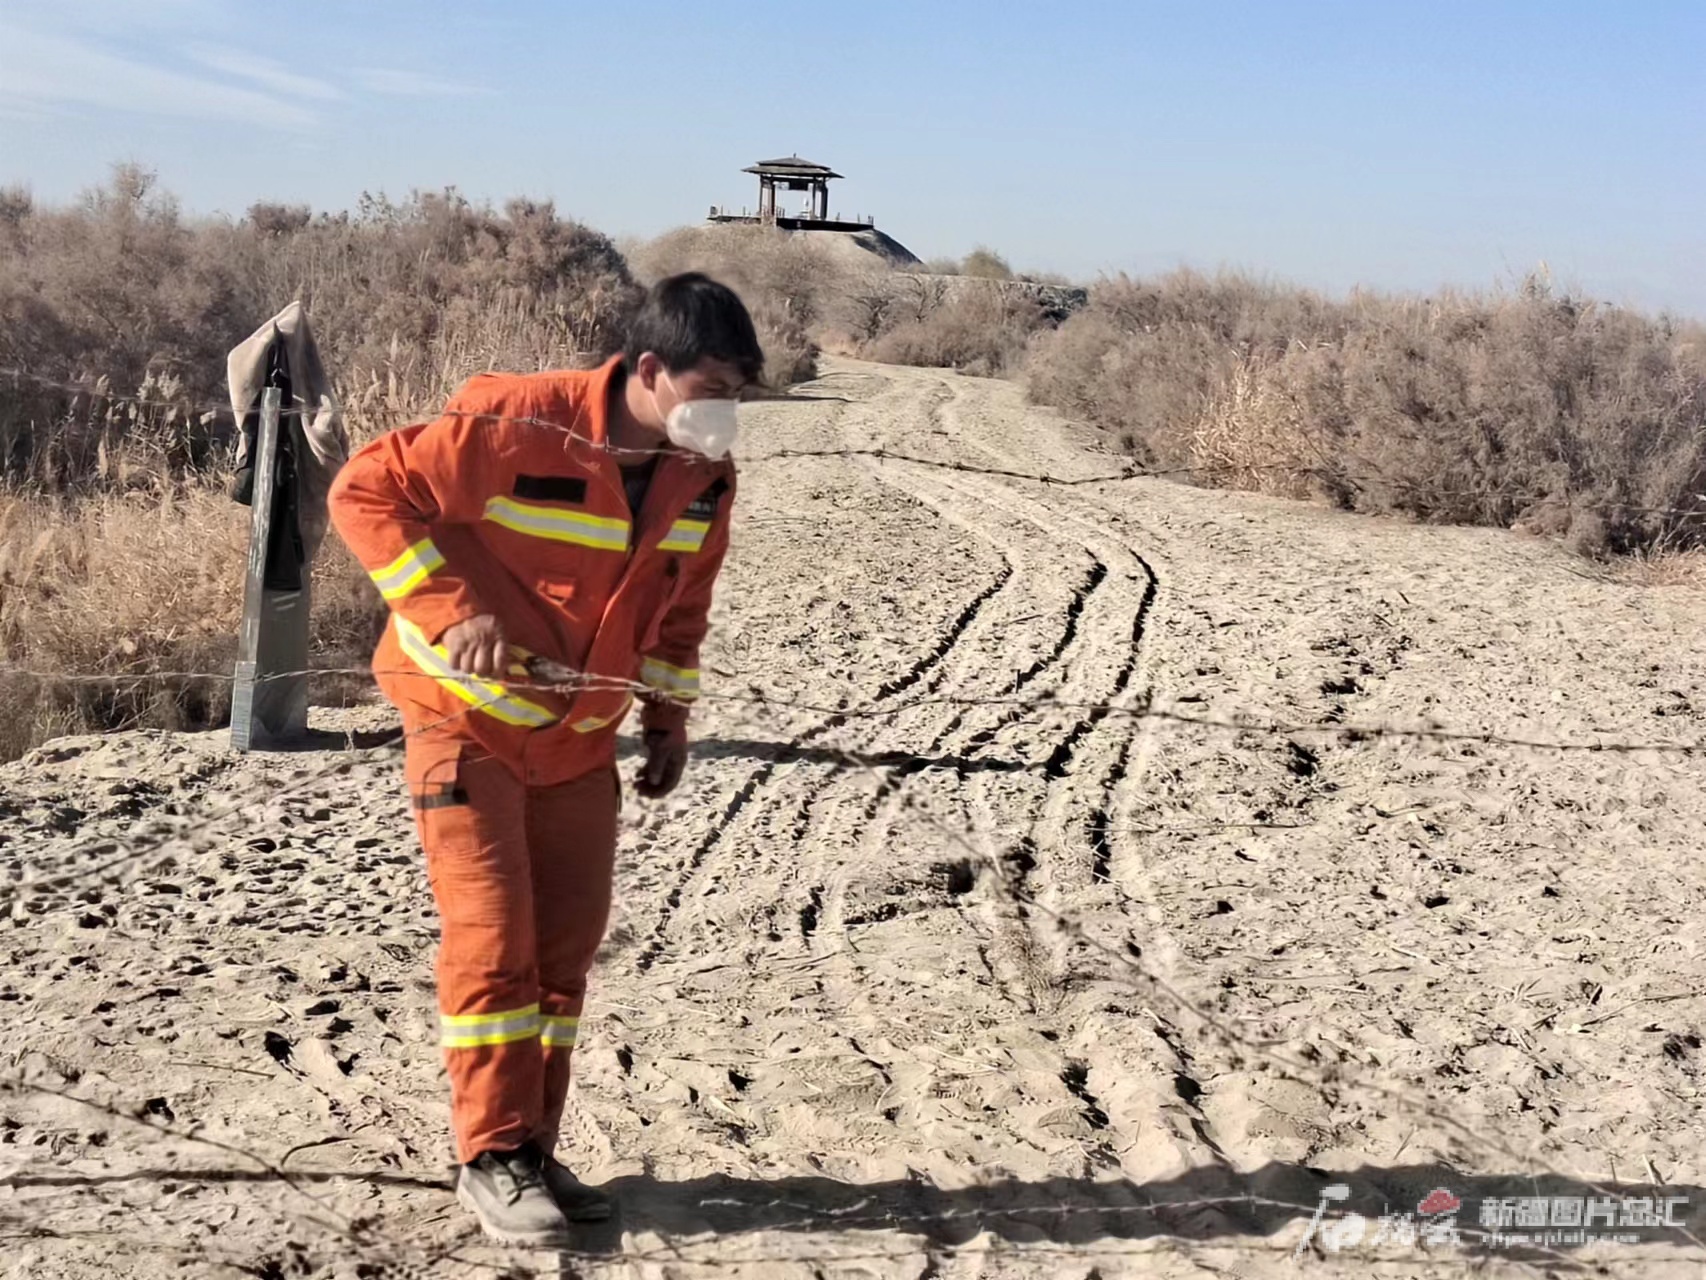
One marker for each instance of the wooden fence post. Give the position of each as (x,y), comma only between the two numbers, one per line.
(269,702)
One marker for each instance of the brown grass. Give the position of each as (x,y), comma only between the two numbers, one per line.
(113,587)
(126,593)
(1668,569)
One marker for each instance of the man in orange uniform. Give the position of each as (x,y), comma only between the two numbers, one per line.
(545,524)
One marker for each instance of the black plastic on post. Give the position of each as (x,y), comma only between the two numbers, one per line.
(269,704)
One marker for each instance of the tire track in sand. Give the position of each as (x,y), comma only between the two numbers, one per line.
(737,804)
(1184,1098)
(829,919)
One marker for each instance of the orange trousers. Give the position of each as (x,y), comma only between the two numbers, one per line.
(522,877)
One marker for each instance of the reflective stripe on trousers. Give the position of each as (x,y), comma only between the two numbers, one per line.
(468,1031)
(522,878)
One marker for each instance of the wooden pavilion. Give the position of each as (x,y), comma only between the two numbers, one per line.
(791,173)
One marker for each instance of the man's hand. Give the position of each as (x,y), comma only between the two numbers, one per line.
(476,646)
(666,758)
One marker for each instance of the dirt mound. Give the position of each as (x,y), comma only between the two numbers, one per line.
(856,245)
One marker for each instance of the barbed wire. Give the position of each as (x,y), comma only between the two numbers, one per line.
(1230,1037)
(675,1256)
(1128,471)
(209,409)
(1326,1080)
(206,824)
(93,390)
(1321,1080)
(366,1234)
(845,757)
(1137,709)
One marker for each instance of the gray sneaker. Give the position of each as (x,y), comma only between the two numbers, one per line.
(579,1202)
(506,1191)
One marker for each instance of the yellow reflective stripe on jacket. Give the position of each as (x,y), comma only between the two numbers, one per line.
(686,535)
(470,1030)
(493,699)
(601,532)
(682,682)
(559,1033)
(408,570)
(593,723)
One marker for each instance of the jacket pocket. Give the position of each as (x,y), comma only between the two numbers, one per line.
(557,590)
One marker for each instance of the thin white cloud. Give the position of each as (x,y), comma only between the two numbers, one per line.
(394,83)
(263,73)
(38,71)
(23,112)
(111,18)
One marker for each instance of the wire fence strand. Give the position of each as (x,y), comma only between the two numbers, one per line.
(1027,708)
(207,410)
(206,825)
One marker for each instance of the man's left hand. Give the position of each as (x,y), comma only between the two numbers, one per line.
(666,759)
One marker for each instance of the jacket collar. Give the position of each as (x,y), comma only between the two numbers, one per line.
(607,380)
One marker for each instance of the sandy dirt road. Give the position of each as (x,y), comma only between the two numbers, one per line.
(994,982)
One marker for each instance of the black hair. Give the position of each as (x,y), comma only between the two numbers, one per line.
(687,318)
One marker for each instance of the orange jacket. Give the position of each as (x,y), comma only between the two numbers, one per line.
(474,514)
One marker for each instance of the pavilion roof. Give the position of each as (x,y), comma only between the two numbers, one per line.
(791,167)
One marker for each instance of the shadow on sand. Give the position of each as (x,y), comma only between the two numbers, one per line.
(1204,1206)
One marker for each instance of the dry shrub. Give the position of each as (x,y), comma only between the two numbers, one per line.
(1255,435)
(790,284)
(410,299)
(1147,359)
(123,293)
(819,294)
(970,324)
(810,294)
(116,287)
(120,556)
(1484,411)
(1147,386)
(1530,408)
(984,263)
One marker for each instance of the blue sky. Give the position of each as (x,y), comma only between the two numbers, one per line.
(1397,145)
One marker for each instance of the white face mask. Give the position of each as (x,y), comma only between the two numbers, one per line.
(704,426)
